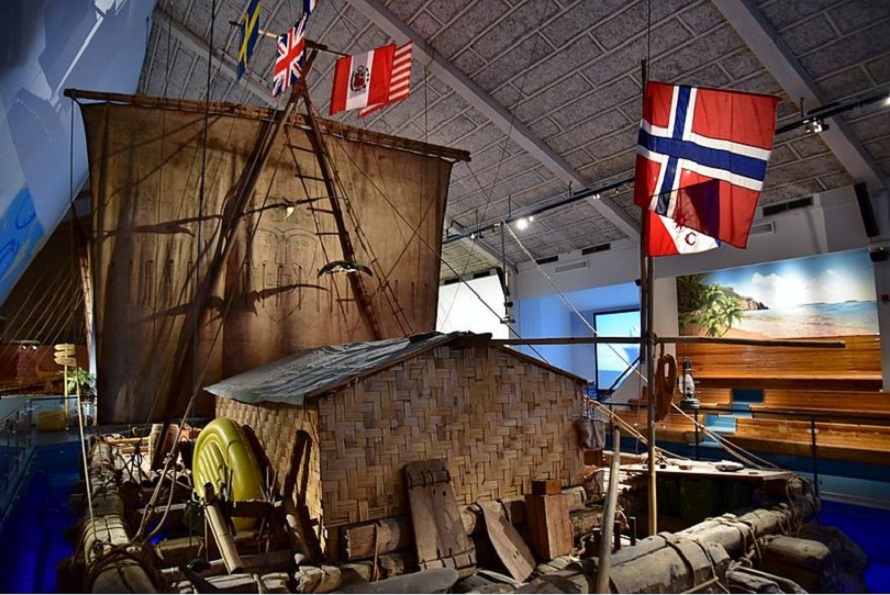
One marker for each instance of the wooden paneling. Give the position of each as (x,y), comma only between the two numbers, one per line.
(856,367)
(844,403)
(850,442)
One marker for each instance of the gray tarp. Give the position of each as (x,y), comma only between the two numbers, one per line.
(292,379)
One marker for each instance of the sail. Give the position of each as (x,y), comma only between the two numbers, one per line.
(155,237)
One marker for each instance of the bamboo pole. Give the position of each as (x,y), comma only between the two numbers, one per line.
(817,343)
(605,552)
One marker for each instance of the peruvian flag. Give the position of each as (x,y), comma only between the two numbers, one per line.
(362,80)
(666,237)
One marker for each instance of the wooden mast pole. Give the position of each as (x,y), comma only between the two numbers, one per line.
(647,351)
(362,295)
(231,224)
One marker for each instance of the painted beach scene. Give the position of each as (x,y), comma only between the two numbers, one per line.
(817,296)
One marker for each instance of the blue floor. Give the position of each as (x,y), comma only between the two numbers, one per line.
(32,533)
(869,527)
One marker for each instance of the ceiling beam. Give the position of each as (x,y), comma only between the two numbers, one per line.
(478,245)
(499,116)
(199,47)
(772,51)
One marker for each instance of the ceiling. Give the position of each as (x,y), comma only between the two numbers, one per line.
(546,94)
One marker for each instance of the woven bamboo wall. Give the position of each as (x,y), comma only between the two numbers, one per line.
(275,426)
(499,421)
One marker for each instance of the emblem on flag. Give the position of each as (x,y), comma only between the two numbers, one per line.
(250,31)
(702,157)
(289,63)
(362,80)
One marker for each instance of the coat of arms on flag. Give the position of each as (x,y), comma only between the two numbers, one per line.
(372,80)
(702,156)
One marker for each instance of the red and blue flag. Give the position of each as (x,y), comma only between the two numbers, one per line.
(289,63)
(702,156)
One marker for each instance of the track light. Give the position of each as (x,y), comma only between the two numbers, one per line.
(523,222)
(816,126)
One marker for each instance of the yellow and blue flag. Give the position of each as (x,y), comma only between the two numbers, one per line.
(250,32)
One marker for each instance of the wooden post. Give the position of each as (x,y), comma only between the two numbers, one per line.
(550,527)
(605,553)
(220,529)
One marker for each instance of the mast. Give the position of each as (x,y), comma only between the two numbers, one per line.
(362,296)
(647,348)
(230,226)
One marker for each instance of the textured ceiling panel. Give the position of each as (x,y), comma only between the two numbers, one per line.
(569,75)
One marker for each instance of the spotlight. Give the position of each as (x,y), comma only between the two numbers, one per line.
(523,222)
(816,126)
(288,212)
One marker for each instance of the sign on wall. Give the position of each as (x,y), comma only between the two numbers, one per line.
(816,296)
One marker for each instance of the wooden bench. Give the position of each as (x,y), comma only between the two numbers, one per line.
(841,441)
(861,404)
(855,367)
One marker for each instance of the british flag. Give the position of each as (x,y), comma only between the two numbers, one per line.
(702,156)
(289,64)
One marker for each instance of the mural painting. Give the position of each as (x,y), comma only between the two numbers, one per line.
(816,296)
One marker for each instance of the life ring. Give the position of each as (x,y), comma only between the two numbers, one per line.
(223,455)
(665,385)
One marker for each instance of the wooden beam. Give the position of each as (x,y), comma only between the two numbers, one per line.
(362,295)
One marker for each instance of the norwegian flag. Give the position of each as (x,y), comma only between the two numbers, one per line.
(400,80)
(702,156)
(289,64)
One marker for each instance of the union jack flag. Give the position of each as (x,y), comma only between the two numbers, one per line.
(289,64)
(702,156)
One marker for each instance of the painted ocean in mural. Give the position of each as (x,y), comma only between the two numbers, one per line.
(817,296)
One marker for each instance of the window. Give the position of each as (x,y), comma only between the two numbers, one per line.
(614,359)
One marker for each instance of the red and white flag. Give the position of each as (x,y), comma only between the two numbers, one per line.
(362,80)
(400,81)
(666,237)
(702,157)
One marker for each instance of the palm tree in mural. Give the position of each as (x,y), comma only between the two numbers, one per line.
(714,309)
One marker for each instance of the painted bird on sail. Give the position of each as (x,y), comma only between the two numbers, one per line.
(344,266)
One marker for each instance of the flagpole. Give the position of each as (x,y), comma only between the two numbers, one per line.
(647,346)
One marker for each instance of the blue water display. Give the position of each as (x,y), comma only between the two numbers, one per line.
(32,531)
(869,528)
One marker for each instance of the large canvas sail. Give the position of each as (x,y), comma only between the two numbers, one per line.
(154,237)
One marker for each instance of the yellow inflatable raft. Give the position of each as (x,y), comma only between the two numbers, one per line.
(223,455)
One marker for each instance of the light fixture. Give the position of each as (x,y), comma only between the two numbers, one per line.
(816,126)
(288,211)
(523,222)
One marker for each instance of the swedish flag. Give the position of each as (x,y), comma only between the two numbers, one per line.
(250,31)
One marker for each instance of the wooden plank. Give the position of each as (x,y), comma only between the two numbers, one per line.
(543,487)
(513,552)
(550,528)
(434,580)
(439,536)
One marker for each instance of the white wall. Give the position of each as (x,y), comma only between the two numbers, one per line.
(832,224)
(460,309)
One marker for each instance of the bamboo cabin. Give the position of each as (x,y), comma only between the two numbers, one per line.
(499,418)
